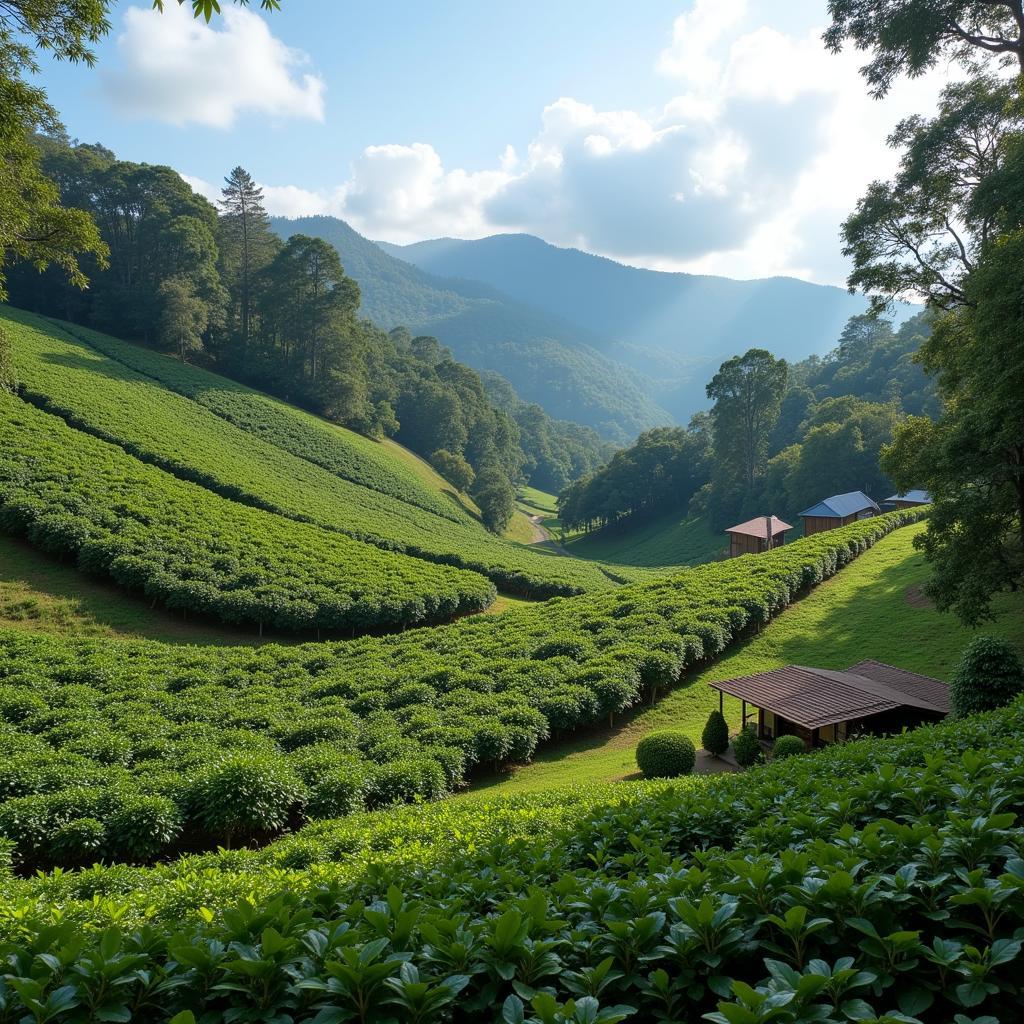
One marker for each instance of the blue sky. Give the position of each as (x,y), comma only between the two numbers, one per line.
(708,135)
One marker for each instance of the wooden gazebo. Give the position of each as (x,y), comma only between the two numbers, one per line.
(824,706)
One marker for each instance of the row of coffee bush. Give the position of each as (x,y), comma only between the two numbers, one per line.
(259,461)
(878,882)
(187,549)
(321,729)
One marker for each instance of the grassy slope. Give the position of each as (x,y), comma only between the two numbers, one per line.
(39,593)
(872,609)
(163,424)
(668,541)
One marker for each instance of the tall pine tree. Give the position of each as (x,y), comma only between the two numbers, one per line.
(247,245)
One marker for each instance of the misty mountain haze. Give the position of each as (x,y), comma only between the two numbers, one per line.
(615,347)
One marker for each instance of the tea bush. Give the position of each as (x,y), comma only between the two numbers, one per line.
(261,453)
(190,550)
(92,724)
(787,746)
(665,754)
(878,881)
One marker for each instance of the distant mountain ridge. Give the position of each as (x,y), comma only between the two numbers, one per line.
(615,347)
(674,327)
(548,360)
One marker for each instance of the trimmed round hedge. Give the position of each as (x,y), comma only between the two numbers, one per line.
(787,746)
(665,754)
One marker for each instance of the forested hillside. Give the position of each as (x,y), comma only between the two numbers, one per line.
(548,360)
(218,287)
(779,437)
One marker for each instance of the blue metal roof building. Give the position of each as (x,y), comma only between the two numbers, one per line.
(840,506)
(839,510)
(916,497)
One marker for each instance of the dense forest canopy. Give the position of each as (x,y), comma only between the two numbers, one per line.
(778,437)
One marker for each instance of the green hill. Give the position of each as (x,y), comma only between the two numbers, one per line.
(333,727)
(266,455)
(872,609)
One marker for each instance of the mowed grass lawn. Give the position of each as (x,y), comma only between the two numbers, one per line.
(873,608)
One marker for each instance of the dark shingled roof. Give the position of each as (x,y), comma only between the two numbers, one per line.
(756,527)
(816,697)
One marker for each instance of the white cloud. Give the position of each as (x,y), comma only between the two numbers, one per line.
(691,55)
(747,170)
(177,69)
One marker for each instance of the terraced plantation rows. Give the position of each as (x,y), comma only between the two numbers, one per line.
(879,881)
(103,396)
(343,452)
(74,495)
(188,746)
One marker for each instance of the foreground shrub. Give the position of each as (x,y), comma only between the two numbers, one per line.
(879,880)
(82,717)
(746,747)
(990,675)
(716,734)
(665,754)
(787,746)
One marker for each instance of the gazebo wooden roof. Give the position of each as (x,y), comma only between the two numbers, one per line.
(817,697)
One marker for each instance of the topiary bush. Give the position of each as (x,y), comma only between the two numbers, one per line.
(665,754)
(716,734)
(990,675)
(746,747)
(787,746)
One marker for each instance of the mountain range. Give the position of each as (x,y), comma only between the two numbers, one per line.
(615,347)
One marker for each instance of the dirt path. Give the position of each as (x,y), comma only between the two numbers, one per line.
(542,536)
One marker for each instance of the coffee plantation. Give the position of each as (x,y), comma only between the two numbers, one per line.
(264,454)
(881,881)
(95,727)
(188,549)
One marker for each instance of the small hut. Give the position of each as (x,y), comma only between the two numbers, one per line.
(823,706)
(757,535)
(911,499)
(839,510)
